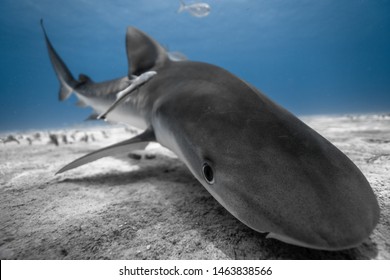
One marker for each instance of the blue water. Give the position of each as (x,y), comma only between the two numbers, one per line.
(312,57)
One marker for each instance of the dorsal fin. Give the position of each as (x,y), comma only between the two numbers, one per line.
(85,79)
(143,53)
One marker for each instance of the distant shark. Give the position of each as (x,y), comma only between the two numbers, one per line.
(266,167)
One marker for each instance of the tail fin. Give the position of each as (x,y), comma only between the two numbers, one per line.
(182,6)
(67,82)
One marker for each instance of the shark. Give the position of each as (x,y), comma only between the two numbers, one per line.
(266,167)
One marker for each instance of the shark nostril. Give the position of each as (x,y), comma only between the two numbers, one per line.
(208,173)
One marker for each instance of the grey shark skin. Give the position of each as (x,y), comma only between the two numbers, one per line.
(266,167)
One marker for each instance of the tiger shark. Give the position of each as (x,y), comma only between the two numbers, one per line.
(266,167)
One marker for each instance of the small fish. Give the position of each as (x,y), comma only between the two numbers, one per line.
(195,9)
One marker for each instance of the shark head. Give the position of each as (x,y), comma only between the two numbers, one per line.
(266,167)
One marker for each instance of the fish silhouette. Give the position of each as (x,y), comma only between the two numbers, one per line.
(195,9)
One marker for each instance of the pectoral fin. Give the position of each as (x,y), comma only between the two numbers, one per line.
(138,142)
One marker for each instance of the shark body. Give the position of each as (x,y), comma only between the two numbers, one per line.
(266,167)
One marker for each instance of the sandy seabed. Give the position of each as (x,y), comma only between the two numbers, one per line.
(147,205)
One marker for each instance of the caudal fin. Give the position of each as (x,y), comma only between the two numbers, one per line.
(67,82)
(182,6)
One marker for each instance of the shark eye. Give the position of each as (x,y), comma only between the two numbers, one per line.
(208,173)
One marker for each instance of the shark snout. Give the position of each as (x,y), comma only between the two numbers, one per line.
(331,228)
(310,195)
(330,217)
